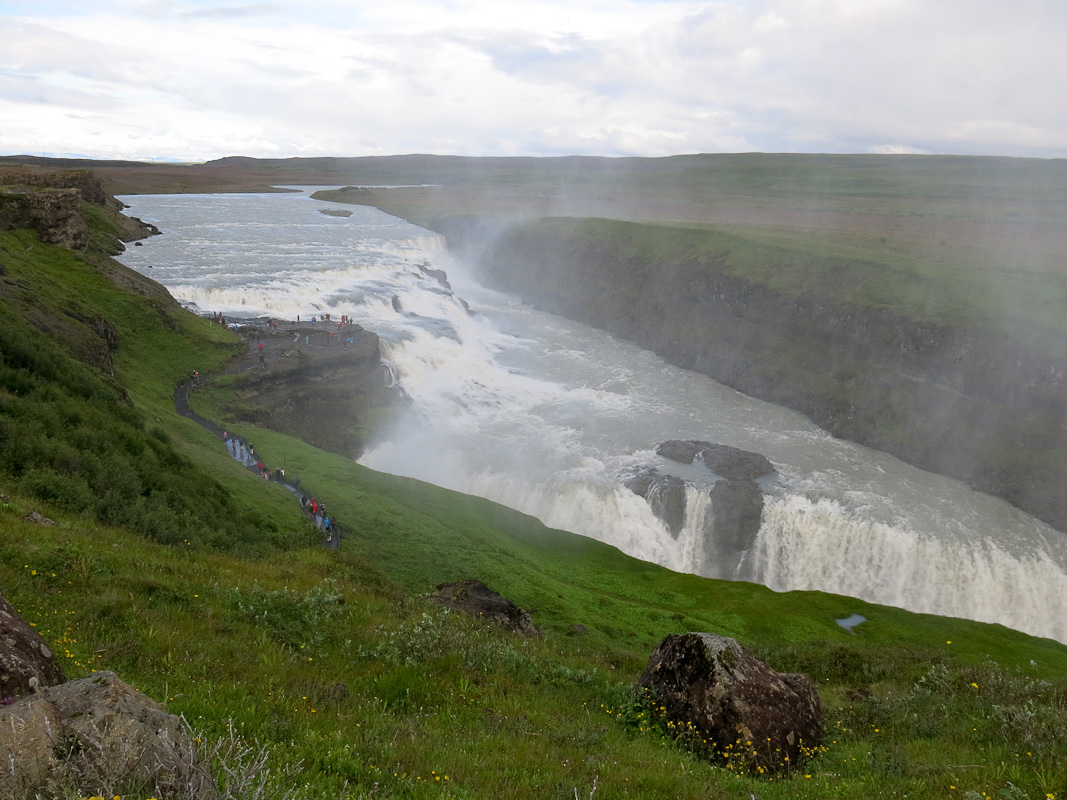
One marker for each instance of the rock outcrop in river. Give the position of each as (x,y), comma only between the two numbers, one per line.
(735,507)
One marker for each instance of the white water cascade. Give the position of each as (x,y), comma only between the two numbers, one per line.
(552,417)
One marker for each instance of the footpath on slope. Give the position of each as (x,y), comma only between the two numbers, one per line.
(264,344)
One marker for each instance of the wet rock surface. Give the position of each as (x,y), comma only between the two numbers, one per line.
(438,275)
(732,703)
(735,502)
(731,526)
(665,494)
(729,462)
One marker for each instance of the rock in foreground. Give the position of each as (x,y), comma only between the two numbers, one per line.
(731,703)
(96,733)
(26,662)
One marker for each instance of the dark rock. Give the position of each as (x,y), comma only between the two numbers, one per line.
(38,519)
(731,524)
(684,452)
(438,275)
(665,495)
(729,462)
(396,305)
(474,597)
(732,703)
(100,731)
(54,213)
(735,464)
(27,664)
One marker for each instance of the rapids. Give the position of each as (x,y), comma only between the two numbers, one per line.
(550,417)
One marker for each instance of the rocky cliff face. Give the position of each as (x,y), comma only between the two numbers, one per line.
(964,402)
(328,395)
(81,181)
(54,213)
(50,202)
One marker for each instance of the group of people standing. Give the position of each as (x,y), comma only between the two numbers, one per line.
(245,453)
(321,518)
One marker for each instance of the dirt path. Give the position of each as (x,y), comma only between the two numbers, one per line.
(264,345)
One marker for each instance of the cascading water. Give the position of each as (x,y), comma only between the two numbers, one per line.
(552,418)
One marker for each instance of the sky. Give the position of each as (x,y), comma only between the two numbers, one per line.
(193,80)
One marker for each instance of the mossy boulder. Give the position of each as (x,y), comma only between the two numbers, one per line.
(731,705)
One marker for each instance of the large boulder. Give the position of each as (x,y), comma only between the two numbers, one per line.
(729,462)
(665,495)
(98,733)
(733,705)
(474,597)
(27,664)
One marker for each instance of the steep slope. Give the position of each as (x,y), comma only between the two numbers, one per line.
(89,354)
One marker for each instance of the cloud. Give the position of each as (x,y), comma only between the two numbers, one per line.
(481,78)
(237,12)
(896,150)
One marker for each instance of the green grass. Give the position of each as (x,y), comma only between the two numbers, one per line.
(102,437)
(340,662)
(358,684)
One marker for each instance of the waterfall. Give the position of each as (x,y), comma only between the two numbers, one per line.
(806,544)
(552,418)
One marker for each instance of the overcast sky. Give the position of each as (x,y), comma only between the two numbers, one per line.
(193,80)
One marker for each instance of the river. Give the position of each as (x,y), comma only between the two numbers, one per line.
(551,417)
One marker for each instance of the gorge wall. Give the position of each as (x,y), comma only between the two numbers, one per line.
(53,203)
(331,397)
(965,401)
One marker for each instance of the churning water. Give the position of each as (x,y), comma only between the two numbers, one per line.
(550,417)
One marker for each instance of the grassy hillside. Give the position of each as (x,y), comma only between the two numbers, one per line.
(196,582)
